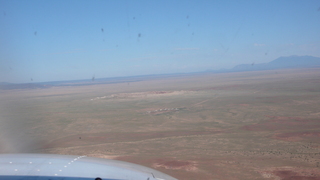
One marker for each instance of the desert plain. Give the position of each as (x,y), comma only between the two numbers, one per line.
(240,125)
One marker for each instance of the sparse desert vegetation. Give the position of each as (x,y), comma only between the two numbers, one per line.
(248,125)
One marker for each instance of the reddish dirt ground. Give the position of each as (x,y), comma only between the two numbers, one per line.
(97,138)
(296,136)
(162,164)
(177,168)
(283,123)
(289,173)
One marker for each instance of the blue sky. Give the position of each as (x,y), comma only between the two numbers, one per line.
(66,40)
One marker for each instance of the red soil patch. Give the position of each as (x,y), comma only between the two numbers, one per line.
(291,173)
(167,163)
(193,169)
(178,168)
(111,137)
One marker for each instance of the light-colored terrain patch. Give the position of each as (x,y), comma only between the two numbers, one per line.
(176,165)
(142,94)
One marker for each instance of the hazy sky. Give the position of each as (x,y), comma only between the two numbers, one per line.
(66,40)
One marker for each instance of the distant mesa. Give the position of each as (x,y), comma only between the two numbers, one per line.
(282,63)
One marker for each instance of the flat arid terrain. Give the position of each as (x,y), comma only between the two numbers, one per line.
(244,125)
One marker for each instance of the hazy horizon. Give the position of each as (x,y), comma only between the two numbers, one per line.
(222,70)
(45,41)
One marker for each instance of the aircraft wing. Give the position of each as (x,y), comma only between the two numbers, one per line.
(67,167)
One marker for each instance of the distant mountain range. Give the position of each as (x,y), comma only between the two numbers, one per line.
(279,63)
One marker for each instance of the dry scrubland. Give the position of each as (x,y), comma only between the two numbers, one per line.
(249,125)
